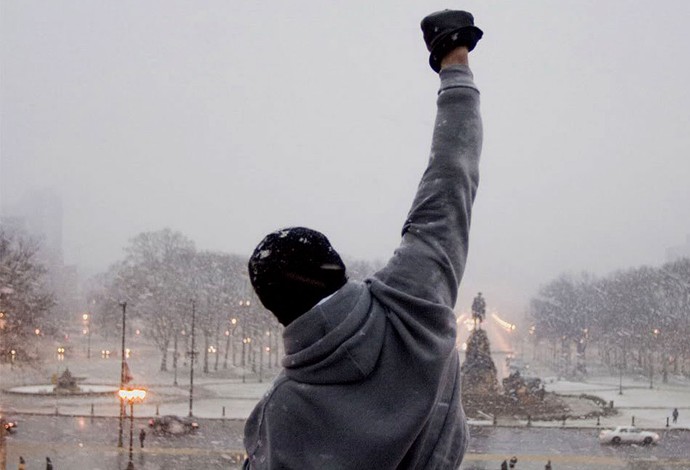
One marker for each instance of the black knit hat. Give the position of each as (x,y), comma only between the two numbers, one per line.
(447,29)
(292,269)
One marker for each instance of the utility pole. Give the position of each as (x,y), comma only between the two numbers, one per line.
(191,369)
(88,350)
(122,374)
(175,357)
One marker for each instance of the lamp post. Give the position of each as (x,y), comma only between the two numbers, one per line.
(131,395)
(245,343)
(122,374)
(261,361)
(191,358)
(228,334)
(186,347)
(246,339)
(175,353)
(624,335)
(655,332)
(87,332)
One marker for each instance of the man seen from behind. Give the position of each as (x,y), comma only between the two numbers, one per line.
(371,376)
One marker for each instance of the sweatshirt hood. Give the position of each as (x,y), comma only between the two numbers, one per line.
(337,341)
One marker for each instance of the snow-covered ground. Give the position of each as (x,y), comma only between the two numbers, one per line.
(223,392)
(649,406)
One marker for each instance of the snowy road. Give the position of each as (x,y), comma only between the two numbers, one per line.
(86,444)
(571,449)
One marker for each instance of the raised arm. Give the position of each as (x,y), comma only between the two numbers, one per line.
(430,261)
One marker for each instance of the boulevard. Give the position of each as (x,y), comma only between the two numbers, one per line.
(81,431)
(89,443)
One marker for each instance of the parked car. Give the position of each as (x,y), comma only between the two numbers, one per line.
(10,425)
(170,424)
(627,435)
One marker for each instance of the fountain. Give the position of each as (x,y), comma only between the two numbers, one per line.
(64,385)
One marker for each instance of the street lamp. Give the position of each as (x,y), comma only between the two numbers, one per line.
(245,343)
(131,396)
(192,355)
(122,374)
(228,334)
(87,332)
(624,337)
(655,332)
(261,361)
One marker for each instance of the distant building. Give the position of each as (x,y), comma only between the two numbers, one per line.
(39,215)
(675,253)
(42,211)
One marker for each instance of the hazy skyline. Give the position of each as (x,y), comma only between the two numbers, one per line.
(226,119)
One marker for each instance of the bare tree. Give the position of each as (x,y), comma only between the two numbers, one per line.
(155,280)
(24,301)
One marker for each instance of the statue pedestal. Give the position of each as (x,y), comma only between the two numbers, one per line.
(483,397)
(66,383)
(479,376)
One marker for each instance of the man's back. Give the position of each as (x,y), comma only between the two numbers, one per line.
(354,393)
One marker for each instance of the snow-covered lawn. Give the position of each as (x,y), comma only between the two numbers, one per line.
(649,407)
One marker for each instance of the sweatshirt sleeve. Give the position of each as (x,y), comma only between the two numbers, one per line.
(427,266)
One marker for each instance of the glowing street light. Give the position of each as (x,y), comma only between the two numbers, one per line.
(87,332)
(131,396)
(230,336)
(261,361)
(245,343)
(655,332)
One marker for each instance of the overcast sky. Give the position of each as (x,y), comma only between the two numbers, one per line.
(227,119)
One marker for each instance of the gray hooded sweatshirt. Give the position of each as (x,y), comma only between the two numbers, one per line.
(371,376)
